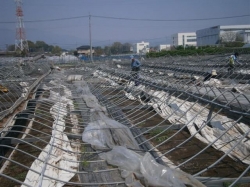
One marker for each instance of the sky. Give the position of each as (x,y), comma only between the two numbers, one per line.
(70,23)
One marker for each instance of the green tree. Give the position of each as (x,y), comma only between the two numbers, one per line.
(179,47)
(42,46)
(11,48)
(76,53)
(191,47)
(50,48)
(32,46)
(126,48)
(56,50)
(107,50)
(98,51)
(116,48)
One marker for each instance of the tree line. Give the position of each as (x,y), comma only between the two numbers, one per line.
(42,47)
(115,48)
(39,46)
(193,51)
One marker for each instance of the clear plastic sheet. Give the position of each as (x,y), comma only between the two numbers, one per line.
(144,167)
(107,133)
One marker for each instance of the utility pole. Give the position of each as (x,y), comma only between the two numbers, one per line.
(7,48)
(90,41)
(109,48)
(183,41)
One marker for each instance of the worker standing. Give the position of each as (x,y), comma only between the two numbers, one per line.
(232,60)
(135,68)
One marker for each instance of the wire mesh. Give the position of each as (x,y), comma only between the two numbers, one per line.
(187,119)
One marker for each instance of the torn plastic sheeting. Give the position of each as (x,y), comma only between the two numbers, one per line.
(92,103)
(82,89)
(98,73)
(73,118)
(124,158)
(61,155)
(160,102)
(24,84)
(213,82)
(226,142)
(56,97)
(112,83)
(242,128)
(107,133)
(241,150)
(44,87)
(54,82)
(58,111)
(146,169)
(130,179)
(59,158)
(130,96)
(195,114)
(74,77)
(110,78)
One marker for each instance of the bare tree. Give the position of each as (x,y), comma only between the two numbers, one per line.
(228,37)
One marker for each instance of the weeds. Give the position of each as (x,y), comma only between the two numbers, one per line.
(161,137)
(85,163)
(21,176)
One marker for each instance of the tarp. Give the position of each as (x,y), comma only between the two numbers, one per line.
(57,159)
(146,170)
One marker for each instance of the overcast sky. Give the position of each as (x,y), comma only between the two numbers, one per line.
(66,22)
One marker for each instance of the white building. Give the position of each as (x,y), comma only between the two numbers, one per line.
(214,35)
(245,35)
(141,48)
(184,39)
(164,47)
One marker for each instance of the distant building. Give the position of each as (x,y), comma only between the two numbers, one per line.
(184,39)
(164,47)
(245,35)
(141,48)
(85,50)
(215,35)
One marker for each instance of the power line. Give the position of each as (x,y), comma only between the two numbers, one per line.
(48,20)
(133,19)
(198,19)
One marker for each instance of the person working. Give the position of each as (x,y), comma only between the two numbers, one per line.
(232,59)
(135,68)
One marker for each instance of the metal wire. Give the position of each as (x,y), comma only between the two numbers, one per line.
(163,83)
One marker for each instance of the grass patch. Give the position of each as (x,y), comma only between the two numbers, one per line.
(160,137)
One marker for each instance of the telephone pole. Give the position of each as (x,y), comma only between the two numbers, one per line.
(90,41)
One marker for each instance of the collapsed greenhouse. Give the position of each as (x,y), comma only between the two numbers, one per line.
(87,124)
